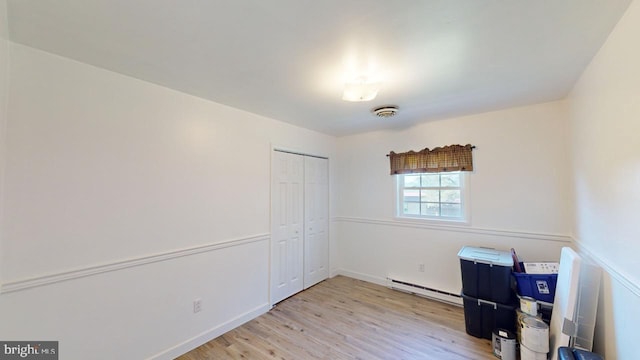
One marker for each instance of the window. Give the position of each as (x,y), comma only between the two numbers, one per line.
(439,196)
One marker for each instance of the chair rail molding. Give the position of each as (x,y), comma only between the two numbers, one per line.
(458,228)
(52,278)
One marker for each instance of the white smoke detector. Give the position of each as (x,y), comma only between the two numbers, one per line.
(385,111)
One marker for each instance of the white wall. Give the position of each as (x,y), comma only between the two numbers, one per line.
(4,84)
(518,195)
(125,201)
(605,113)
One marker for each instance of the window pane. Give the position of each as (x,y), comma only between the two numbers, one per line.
(451,180)
(411,195)
(412,181)
(450,196)
(431,180)
(411,208)
(451,210)
(430,196)
(430,209)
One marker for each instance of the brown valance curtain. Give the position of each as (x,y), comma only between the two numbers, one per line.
(440,159)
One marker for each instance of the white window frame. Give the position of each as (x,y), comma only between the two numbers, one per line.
(464,202)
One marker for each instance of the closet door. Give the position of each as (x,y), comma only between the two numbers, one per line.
(287,251)
(316,224)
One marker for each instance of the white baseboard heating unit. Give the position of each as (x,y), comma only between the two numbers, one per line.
(427,292)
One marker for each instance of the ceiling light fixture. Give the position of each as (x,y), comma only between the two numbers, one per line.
(360,89)
(385,111)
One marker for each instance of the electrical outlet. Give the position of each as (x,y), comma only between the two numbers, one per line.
(197,305)
(421,267)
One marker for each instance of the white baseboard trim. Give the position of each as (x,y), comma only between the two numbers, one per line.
(458,228)
(18,285)
(210,334)
(364,277)
(617,274)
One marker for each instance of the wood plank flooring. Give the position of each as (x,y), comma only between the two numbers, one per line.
(344,318)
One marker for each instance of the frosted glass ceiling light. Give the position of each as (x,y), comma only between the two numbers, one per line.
(360,89)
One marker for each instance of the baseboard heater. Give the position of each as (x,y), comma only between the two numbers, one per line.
(427,292)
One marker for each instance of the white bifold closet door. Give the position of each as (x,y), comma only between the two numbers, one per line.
(287,225)
(299,229)
(316,212)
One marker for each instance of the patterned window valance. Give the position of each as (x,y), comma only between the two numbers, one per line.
(440,159)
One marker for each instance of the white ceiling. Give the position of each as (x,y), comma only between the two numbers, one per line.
(289,59)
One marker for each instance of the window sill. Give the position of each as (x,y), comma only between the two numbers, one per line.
(433,221)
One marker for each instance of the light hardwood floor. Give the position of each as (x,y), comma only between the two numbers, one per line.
(344,318)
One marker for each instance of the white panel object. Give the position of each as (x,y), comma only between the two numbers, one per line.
(316,210)
(566,298)
(587,308)
(287,232)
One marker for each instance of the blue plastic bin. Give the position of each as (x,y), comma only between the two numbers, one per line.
(541,287)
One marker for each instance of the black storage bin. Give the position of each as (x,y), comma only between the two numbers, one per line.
(486,274)
(481,317)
